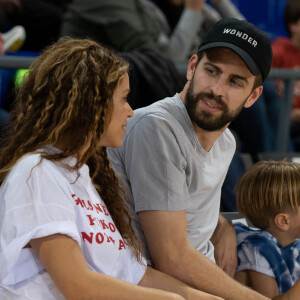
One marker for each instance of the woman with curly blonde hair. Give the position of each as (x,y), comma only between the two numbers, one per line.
(64,229)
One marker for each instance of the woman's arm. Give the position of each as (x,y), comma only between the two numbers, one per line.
(65,263)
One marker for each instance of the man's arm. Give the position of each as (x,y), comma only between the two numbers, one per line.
(224,240)
(166,234)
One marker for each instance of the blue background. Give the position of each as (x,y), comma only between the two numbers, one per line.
(265,14)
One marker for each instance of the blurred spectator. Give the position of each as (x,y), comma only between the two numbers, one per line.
(127,27)
(40,18)
(287,55)
(11,40)
(140,24)
(209,14)
(140,28)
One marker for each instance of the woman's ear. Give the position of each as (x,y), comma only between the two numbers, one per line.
(282,221)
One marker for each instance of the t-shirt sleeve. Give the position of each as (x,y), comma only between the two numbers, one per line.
(155,164)
(249,258)
(34,203)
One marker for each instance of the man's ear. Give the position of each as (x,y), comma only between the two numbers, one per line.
(253,96)
(282,221)
(191,67)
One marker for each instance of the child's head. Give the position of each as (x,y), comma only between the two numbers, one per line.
(267,189)
(292,17)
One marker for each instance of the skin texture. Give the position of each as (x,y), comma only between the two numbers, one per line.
(65,263)
(231,82)
(261,283)
(291,294)
(63,260)
(113,137)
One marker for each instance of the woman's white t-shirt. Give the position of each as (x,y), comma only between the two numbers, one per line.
(38,199)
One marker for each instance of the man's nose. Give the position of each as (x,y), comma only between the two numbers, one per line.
(219,87)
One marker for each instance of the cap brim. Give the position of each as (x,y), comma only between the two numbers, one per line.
(240,52)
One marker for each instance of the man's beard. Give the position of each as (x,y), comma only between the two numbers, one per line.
(204,119)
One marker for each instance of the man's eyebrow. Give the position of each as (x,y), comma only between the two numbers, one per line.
(236,76)
(209,64)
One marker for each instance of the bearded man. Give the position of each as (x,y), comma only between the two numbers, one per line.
(176,154)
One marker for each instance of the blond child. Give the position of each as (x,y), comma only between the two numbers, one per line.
(268,195)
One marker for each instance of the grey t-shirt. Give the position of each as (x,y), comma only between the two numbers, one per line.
(164,167)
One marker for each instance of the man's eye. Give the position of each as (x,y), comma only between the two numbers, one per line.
(236,83)
(210,71)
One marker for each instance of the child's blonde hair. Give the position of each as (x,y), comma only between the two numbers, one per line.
(268,188)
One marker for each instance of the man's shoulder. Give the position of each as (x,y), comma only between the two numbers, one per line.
(162,110)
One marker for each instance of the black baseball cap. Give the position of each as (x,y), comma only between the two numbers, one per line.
(252,44)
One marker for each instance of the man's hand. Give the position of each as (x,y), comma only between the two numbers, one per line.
(171,252)
(224,240)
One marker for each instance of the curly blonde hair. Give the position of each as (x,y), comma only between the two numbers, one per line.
(66,98)
(268,188)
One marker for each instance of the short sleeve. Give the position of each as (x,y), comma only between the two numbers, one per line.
(155,165)
(34,203)
(249,258)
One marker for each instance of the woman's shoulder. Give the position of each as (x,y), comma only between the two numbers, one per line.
(30,164)
(25,164)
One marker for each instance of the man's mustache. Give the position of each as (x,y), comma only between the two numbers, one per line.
(211,96)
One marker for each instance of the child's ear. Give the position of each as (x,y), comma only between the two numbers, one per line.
(282,221)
